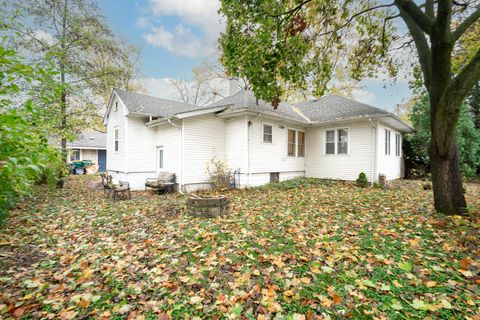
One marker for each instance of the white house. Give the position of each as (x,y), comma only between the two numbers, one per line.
(332,137)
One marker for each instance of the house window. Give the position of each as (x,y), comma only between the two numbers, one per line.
(291,142)
(160,157)
(397,144)
(342,141)
(387,142)
(116,140)
(301,144)
(267,133)
(116,106)
(330,142)
(336,141)
(75,155)
(274,177)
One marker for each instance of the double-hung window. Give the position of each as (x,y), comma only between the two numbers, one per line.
(330,142)
(116,140)
(267,133)
(301,144)
(397,144)
(336,141)
(387,142)
(160,157)
(291,142)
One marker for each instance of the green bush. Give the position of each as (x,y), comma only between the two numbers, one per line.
(25,155)
(362,180)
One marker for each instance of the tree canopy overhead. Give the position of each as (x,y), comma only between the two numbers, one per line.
(298,43)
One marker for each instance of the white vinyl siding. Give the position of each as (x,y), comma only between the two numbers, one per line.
(390,166)
(272,157)
(320,164)
(204,137)
(169,137)
(236,143)
(117,120)
(140,146)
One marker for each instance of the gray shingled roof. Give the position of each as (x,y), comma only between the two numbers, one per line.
(141,104)
(91,139)
(245,99)
(335,107)
(326,109)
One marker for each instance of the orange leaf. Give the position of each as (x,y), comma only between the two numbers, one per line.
(465,263)
(336,299)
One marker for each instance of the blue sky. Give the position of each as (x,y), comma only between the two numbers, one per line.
(177,35)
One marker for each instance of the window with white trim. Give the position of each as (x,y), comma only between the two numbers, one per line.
(291,142)
(387,142)
(342,140)
(330,142)
(267,133)
(336,141)
(397,144)
(301,144)
(160,157)
(116,140)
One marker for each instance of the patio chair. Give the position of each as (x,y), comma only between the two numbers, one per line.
(121,189)
(165,181)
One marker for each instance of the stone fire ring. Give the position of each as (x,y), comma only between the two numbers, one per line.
(207,206)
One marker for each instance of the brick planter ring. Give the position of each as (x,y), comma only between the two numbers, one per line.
(207,206)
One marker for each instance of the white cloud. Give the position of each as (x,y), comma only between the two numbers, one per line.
(199,15)
(363,96)
(44,36)
(180,40)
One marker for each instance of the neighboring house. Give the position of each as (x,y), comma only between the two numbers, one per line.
(91,145)
(332,137)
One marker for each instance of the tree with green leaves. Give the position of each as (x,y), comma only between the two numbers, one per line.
(466,132)
(277,45)
(74,37)
(25,154)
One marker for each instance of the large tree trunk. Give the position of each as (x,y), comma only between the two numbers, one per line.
(447,179)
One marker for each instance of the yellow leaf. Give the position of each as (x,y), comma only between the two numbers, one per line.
(431,284)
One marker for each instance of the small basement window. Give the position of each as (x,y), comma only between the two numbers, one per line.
(267,133)
(274,176)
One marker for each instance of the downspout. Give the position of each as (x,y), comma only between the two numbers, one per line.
(374,145)
(249,139)
(169,121)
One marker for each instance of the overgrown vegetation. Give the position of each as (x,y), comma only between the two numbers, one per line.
(467,135)
(322,249)
(25,155)
(218,173)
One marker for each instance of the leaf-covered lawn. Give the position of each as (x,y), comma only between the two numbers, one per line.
(318,250)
